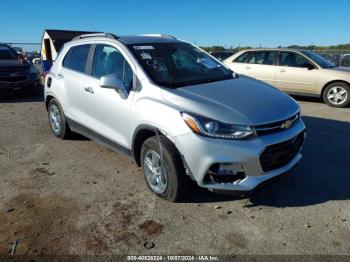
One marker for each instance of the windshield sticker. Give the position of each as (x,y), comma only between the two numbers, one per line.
(208,63)
(157,65)
(143,47)
(145,55)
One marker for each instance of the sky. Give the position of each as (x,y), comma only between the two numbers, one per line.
(203,22)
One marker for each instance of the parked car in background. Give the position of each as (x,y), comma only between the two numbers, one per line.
(345,61)
(36,61)
(18,49)
(298,72)
(221,55)
(179,113)
(17,73)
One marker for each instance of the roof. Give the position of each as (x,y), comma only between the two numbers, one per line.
(139,39)
(60,37)
(273,49)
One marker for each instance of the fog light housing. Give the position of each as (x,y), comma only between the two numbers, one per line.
(225,173)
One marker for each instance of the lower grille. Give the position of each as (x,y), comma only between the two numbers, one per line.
(278,155)
(14,74)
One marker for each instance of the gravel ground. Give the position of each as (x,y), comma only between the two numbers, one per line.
(77,197)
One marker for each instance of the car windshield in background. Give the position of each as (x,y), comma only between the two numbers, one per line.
(179,64)
(320,60)
(7,53)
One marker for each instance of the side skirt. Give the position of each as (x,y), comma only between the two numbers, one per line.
(78,128)
(303,94)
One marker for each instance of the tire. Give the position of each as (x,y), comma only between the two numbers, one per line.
(332,90)
(177,182)
(62,130)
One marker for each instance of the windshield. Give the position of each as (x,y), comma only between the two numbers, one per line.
(179,64)
(320,60)
(7,53)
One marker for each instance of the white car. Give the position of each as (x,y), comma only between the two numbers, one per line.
(298,72)
(175,110)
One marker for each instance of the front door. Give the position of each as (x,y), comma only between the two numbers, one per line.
(108,113)
(296,74)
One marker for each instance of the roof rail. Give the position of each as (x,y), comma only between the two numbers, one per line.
(160,35)
(108,35)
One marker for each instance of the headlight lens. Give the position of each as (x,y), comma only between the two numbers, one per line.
(33,69)
(211,128)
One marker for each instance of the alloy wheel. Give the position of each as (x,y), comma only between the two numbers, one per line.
(337,95)
(55,119)
(156,177)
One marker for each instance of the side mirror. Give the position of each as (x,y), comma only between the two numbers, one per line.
(113,82)
(310,66)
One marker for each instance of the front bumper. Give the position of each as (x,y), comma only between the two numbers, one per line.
(32,82)
(200,153)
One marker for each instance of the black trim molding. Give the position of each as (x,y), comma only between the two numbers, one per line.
(78,128)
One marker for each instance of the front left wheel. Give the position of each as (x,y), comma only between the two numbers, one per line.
(163,169)
(57,120)
(337,94)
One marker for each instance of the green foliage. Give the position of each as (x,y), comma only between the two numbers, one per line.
(314,47)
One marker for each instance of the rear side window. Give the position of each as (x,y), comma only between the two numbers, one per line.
(242,58)
(66,58)
(262,58)
(76,58)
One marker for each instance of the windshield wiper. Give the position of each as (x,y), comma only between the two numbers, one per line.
(175,84)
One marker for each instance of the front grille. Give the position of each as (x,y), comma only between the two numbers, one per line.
(278,155)
(13,74)
(277,126)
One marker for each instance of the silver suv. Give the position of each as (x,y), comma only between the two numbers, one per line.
(178,112)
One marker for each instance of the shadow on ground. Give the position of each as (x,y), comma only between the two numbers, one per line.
(21,96)
(322,176)
(308,99)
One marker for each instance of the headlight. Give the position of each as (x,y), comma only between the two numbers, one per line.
(212,128)
(33,69)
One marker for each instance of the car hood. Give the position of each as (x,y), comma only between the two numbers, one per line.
(341,68)
(13,63)
(240,101)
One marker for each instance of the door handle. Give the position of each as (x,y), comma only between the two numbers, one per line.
(89,89)
(283,70)
(60,76)
(247,67)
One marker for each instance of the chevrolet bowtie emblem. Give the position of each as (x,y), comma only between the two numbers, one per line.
(286,124)
(14,75)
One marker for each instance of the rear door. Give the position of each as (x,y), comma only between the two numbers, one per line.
(295,73)
(74,76)
(239,64)
(260,65)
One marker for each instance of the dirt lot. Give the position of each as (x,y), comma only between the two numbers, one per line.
(77,197)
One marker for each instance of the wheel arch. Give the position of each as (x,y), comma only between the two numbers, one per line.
(48,98)
(141,134)
(331,82)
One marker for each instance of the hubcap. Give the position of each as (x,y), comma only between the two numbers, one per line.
(156,177)
(337,95)
(55,119)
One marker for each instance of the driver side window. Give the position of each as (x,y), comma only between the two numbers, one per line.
(108,60)
(293,60)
